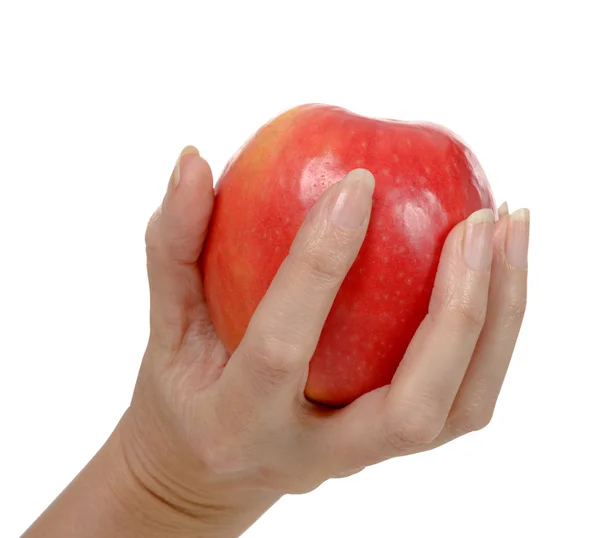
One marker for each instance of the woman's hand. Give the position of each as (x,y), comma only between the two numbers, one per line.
(210,441)
(210,431)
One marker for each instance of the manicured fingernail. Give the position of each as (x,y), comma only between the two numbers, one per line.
(503,210)
(517,239)
(478,244)
(353,203)
(188,150)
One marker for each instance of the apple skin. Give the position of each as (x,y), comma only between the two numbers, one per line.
(427,181)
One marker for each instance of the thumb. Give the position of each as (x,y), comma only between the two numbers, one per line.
(174,240)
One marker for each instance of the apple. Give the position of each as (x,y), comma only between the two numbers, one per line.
(427,181)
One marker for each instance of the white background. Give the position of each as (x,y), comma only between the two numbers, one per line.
(97,99)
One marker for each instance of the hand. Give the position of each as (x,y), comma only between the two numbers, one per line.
(213,436)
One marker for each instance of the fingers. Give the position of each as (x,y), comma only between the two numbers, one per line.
(174,240)
(274,354)
(412,411)
(476,399)
(437,358)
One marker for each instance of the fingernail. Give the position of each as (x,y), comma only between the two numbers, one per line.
(188,150)
(353,203)
(503,210)
(478,245)
(517,239)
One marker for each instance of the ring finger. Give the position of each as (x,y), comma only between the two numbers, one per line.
(476,399)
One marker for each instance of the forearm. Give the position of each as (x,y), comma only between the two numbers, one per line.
(107,499)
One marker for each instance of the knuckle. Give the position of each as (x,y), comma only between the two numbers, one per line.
(469,314)
(151,235)
(516,309)
(413,425)
(406,433)
(326,254)
(274,360)
(320,264)
(470,421)
(164,239)
(348,472)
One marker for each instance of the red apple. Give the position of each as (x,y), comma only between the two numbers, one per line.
(427,181)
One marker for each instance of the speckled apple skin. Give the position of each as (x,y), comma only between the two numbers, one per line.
(427,181)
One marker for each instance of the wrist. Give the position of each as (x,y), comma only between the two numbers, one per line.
(167,491)
(122,493)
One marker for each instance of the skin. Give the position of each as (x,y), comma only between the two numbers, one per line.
(427,182)
(210,442)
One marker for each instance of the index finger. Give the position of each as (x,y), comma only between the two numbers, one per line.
(283,333)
